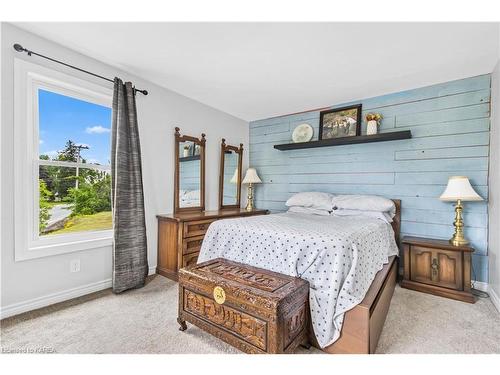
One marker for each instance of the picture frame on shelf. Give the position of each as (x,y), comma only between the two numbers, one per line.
(340,122)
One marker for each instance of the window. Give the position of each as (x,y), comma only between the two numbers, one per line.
(62,152)
(73,174)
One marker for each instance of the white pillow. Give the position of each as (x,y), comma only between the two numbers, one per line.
(308,210)
(364,203)
(314,199)
(384,216)
(191,195)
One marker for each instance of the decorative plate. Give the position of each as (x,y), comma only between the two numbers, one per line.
(302,133)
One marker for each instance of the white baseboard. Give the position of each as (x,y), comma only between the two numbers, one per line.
(494,298)
(480,285)
(485,287)
(50,299)
(152,270)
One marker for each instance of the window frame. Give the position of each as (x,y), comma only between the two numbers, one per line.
(28,79)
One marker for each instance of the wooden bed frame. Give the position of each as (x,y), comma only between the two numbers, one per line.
(363,324)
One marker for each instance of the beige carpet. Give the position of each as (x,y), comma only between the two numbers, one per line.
(144,321)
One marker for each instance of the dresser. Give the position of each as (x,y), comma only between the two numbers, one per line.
(437,267)
(180,236)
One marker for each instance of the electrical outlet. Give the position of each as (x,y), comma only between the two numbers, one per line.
(74,265)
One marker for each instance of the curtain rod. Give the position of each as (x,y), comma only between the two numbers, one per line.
(20,48)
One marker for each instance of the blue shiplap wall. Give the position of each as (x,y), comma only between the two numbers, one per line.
(450,127)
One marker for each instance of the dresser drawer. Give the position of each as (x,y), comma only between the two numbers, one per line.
(190,259)
(192,244)
(196,228)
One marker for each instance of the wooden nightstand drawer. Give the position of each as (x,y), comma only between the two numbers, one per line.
(437,267)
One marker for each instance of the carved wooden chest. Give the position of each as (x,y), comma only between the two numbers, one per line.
(254,310)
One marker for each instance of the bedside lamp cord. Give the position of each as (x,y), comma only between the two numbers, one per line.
(476,292)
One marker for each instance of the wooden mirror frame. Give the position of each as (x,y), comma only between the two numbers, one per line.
(239,151)
(197,141)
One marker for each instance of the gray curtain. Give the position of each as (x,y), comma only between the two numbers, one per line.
(130,262)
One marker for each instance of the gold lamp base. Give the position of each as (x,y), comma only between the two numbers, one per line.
(249,206)
(458,238)
(457,241)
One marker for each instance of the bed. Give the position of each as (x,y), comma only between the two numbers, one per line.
(350,263)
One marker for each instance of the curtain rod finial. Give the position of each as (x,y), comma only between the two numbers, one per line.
(18,47)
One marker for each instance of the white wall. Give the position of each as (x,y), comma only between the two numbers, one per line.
(33,283)
(494,182)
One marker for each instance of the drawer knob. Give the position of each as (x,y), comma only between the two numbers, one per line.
(201,226)
(434,266)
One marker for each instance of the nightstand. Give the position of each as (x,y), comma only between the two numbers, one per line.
(437,267)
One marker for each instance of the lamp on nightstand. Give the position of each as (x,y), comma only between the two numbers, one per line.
(251,178)
(459,189)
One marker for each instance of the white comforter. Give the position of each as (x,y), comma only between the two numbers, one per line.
(339,256)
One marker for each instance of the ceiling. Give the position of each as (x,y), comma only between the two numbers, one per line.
(261,70)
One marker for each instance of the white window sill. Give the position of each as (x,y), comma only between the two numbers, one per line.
(41,249)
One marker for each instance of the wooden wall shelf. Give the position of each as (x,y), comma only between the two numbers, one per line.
(381,137)
(189,158)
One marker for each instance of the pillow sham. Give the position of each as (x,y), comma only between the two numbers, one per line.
(308,210)
(191,194)
(384,216)
(314,199)
(364,203)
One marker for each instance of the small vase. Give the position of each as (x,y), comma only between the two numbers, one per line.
(371,127)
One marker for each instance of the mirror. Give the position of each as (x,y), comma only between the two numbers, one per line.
(231,159)
(189,178)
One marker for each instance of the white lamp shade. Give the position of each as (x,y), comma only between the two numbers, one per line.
(234,179)
(459,187)
(251,177)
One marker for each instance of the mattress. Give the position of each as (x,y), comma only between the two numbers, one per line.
(339,256)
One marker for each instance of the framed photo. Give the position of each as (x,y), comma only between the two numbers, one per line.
(340,122)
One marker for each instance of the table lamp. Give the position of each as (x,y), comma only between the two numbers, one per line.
(235,178)
(459,189)
(251,178)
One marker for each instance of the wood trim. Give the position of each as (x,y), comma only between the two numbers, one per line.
(217,214)
(396,220)
(239,151)
(197,141)
(467,265)
(436,244)
(439,291)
